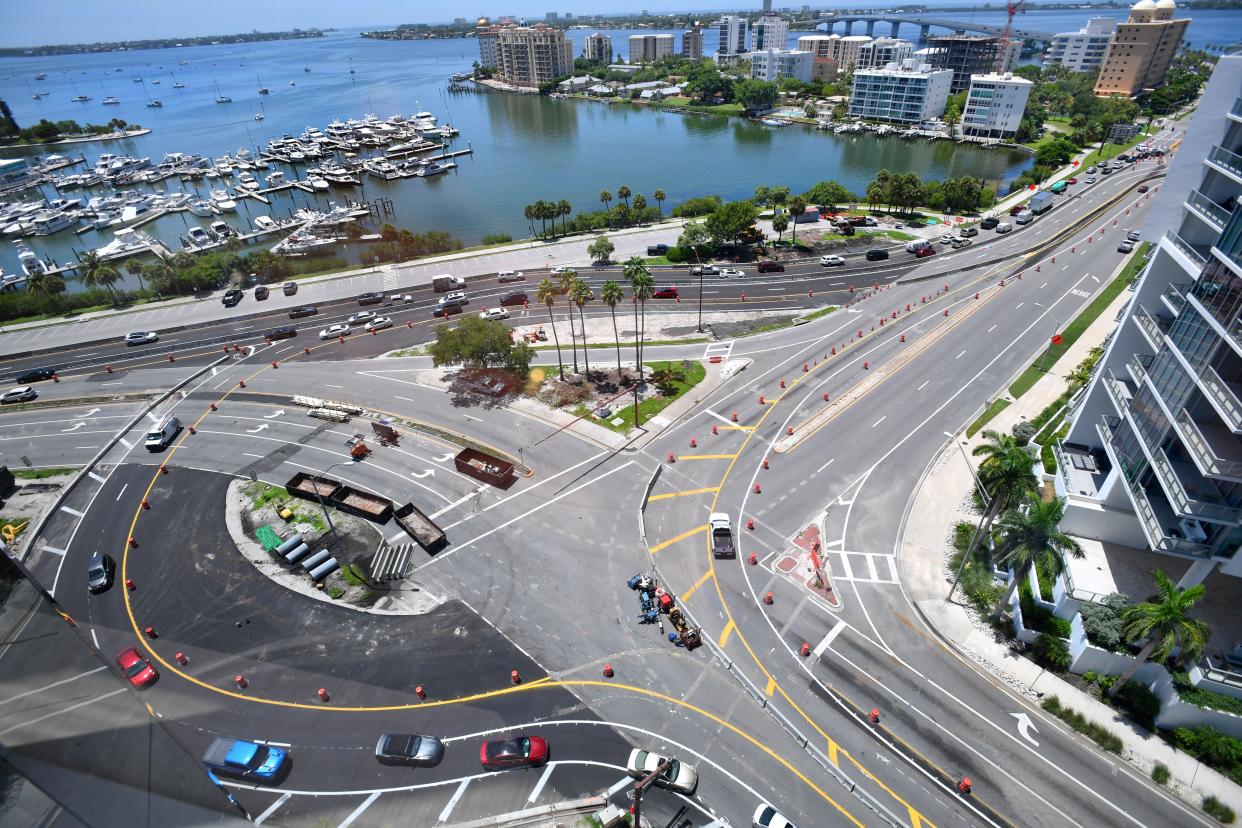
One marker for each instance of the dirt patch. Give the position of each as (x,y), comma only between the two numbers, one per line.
(25,504)
(742,327)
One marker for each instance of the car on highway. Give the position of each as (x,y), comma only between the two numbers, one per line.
(372,297)
(445,311)
(559,269)
(261,292)
(403,298)
(877,255)
(677,776)
(250,761)
(831,261)
(768,817)
(409,749)
(960,242)
(1017,208)
(924,252)
(1004,227)
(968,231)
(1142,188)
(518,752)
(289,288)
(1071,181)
(303,311)
(333,331)
(769,266)
(141,338)
(514,297)
(1126,246)
(23,393)
(1134,235)
(1091,169)
(705,270)
(730,273)
(494,313)
(360,317)
(456,297)
(946,238)
(1025,217)
(989,223)
(665,293)
(136,668)
(100,570)
(283,332)
(507,276)
(379,323)
(35,375)
(231,298)
(1091,179)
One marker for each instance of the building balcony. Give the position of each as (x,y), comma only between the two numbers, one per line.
(1235,111)
(1191,494)
(1215,450)
(1082,470)
(1119,390)
(1164,531)
(1137,365)
(1174,297)
(1224,396)
(1227,162)
(1153,326)
(1208,210)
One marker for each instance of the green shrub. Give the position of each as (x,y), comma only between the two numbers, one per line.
(1160,774)
(1024,431)
(1215,808)
(1038,618)
(1138,700)
(1209,745)
(1051,652)
(679,255)
(336,592)
(700,206)
(1205,698)
(1101,736)
(963,531)
(496,238)
(1102,621)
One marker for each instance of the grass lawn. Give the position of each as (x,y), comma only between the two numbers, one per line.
(658,260)
(1069,335)
(996,407)
(894,234)
(1109,151)
(650,407)
(39,474)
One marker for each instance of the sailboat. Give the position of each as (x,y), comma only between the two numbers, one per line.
(220,98)
(351,66)
(263,90)
(305,67)
(151,102)
(259,116)
(176,83)
(79,98)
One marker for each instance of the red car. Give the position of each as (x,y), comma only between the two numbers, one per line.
(924,252)
(1017,208)
(136,668)
(665,293)
(769,266)
(1071,181)
(518,752)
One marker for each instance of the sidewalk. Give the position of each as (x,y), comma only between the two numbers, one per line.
(943,499)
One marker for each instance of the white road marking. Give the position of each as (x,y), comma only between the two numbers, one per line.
(1019,307)
(989,330)
(271,809)
(395,537)
(68,709)
(543,780)
(122,491)
(333,386)
(366,803)
(85,448)
(618,785)
(452,803)
(126,443)
(828,639)
(73,512)
(826,465)
(96,477)
(407,399)
(55,683)
(95,638)
(717,416)
(924,385)
(248,454)
(1065,267)
(53,550)
(959,356)
(151,416)
(1045,284)
(877,422)
(456,503)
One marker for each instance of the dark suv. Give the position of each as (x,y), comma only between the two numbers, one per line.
(303,311)
(283,332)
(232,298)
(769,266)
(514,297)
(989,223)
(35,375)
(372,298)
(876,255)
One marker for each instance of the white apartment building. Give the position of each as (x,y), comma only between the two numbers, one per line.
(647,48)
(770,32)
(734,35)
(1083,50)
(1153,457)
(883,51)
(488,35)
(994,105)
(833,55)
(907,93)
(598,47)
(774,64)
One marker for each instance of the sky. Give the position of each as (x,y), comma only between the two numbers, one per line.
(32,23)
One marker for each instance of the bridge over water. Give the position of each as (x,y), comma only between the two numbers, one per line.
(828,22)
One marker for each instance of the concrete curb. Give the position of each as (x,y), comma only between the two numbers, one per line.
(532,817)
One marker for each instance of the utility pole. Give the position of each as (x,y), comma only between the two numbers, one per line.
(641,786)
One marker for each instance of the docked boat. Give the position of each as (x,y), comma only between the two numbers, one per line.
(265,224)
(128,242)
(318,183)
(154,103)
(221,98)
(30,263)
(134,213)
(178,85)
(47,222)
(111,100)
(430,168)
(201,208)
(222,230)
(247,181)
(276,179)
(381,169)
(222,201)
(199,238)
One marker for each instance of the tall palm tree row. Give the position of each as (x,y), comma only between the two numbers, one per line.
(642,286)
(580,292)
(99,273)
(1163,626)
(1028,535)
(658,196)
(623,193)
(610,294)
(564,285)
(546,292)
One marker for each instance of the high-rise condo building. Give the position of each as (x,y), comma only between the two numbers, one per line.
(1141,50)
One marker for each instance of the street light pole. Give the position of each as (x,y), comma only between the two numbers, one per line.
(699,329)
(974,538)
(336,541)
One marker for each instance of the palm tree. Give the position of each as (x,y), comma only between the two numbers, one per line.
(780,223)
(565,285)
(643,286)
(528,213)
(659,197)
(1163,625)
(623,193)
(797,206)
(546,292)
(541,213)
(98,273)
(50,286)
(580,293)
(605,198)
(610,294)
(563,208)
(640,203)
(1031,534)
(135,267)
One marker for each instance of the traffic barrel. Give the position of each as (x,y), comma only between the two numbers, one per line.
(782,383)
(55,377)
(240,681)
(146,504)
(151,633)
(267,340)
(834,350)
(515,677)
(226,349)
(761,399)
(976,295)
(306,351)
(374,331)
(715,430)
(805,650)
(758,489)
(420,692)
(874,716)
(181,659)
(409,324)
(236,348)
(191,429)
(129,584)
(734,417)
(241,383)
(903,338)
(743,296)
(963,787)
(212,406)
(172,358)
(907,307)
(894,316)
(789,431)
(693,444)
(765,462)
(163,469)
(750,523)
(866,365)
(767,598)
(1038,268)
(341,339)
(275,364)
(133,542)
(825,396)
(946,311)
(322,694)
(752,559)
(805,367)
(608,671)
(108,368)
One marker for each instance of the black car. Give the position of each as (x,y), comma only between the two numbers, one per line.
(260,293)
(657,249)
(446,311)
(35,375)
(371,298)
(232,298)
(303,311)
(283,332)
(514,297)
(100,570)
(769,266)
(408,749)
(989,223)
(877,255)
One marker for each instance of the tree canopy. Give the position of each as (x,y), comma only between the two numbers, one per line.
(480,343)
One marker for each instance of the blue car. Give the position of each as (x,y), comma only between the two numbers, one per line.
(251,761)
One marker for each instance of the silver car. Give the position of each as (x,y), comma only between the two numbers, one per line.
(141,338)
(23,393)
(408,749)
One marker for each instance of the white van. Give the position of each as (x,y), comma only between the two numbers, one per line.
(1004,227)
(163,433)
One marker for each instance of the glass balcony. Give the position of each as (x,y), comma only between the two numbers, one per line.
(1230,162)
(1190,493)
(1198,259)
(1210,210)
(1224,396)
(1215,450)
(1137,366)
(1118,390)
(1154,516)
(1236,109)
(1152,325)
(1174,297)
(1082,471)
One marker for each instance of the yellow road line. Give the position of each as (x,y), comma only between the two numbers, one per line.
(685,596)
(708,457)
(832,753)
(686,534)
(686,493)
(724,635)
(771,686)
(735,428)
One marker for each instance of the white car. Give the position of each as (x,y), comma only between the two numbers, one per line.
(22,393)
(678,776)
(379,323)
(494,313)
(831,261)
(339,329)
(768,817)
(1134,235)
(507,276)
(559,269)
(359,317)
(731,273)
(1091,179)
(946,238)
(455,298)
(141,338)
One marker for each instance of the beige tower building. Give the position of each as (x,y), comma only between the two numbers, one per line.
(1141,50)
(531,55)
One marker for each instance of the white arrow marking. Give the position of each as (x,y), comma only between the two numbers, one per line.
(92,412)
(1025,727)
(260,427)
(277,413)
(425,473)
(73,427)
(444,459)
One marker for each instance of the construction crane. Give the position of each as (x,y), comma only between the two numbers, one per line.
(1011,9)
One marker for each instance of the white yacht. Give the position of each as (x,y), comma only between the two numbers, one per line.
(198,238)
(429,168)
(30,262)
(318,183)
(276,179)
(247,181)
(201,208)
(47,222)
